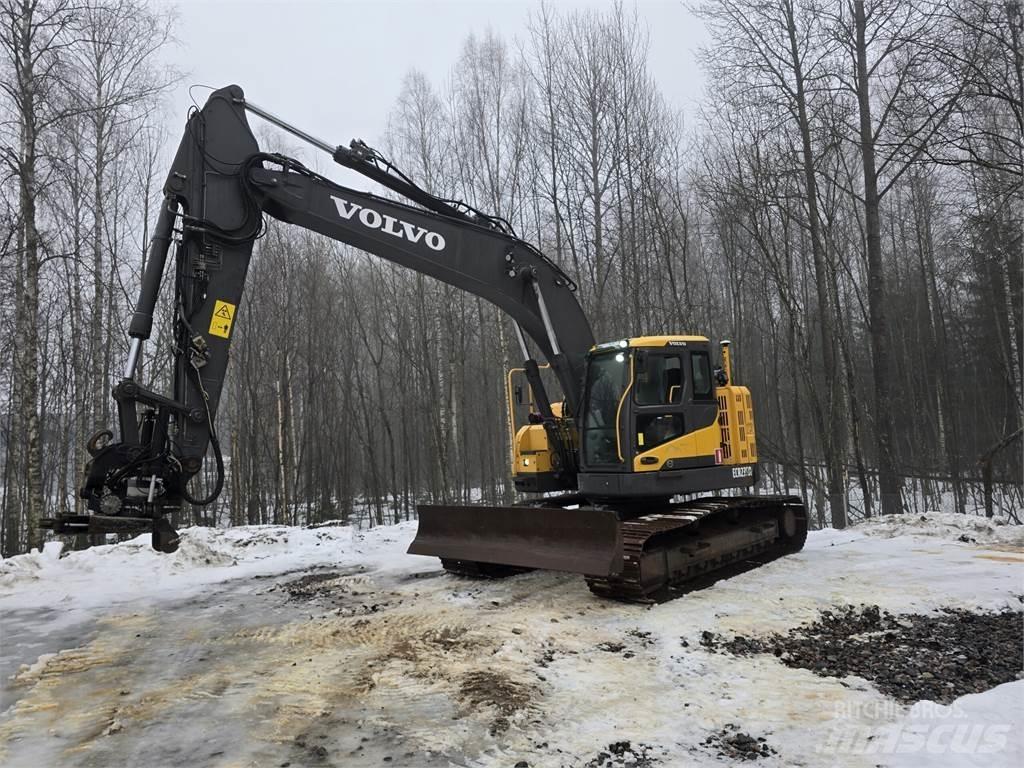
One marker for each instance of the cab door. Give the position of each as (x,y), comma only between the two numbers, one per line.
(673,396)
(659,398)
(605,446)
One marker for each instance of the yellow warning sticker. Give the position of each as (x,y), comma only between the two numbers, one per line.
(223,316)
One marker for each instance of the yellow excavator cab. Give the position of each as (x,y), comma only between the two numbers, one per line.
(656,414)
(657,420)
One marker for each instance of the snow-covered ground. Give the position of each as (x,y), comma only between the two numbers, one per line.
(266,646)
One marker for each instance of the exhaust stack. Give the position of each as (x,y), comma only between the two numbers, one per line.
(726,360)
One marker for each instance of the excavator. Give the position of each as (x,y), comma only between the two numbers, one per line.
(618,441)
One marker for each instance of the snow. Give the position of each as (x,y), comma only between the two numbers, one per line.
(130,652)
(91,581)
(946,525)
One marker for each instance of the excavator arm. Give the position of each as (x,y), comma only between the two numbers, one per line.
(218,189)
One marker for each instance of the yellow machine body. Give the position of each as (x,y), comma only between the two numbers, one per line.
(727,439)
(532,451)
(736,425)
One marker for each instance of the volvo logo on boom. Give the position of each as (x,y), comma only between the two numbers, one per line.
(403,230)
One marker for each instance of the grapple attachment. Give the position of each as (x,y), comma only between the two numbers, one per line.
(587,540)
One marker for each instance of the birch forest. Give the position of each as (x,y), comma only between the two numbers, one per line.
(844,204)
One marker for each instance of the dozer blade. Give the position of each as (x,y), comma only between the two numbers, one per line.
(587,541)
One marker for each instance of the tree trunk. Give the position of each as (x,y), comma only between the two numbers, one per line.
(26,365)
(888,479)
(834,440)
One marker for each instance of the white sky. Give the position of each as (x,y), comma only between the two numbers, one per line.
(335,67)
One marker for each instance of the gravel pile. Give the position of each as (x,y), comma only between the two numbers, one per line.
(732,743)
(623,754)
(311,585)
(910,657)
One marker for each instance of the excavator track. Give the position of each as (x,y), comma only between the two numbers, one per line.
(691,545)
(659,553)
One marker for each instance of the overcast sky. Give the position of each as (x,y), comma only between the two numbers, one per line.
(335,67)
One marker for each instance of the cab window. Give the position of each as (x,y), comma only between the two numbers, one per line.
(661,381)
(702,385)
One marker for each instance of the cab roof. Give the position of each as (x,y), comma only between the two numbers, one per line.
(650,341)
(664,341)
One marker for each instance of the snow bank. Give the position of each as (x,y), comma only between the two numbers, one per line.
(967,528)
(83,582)
(130,570)
(200,548)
